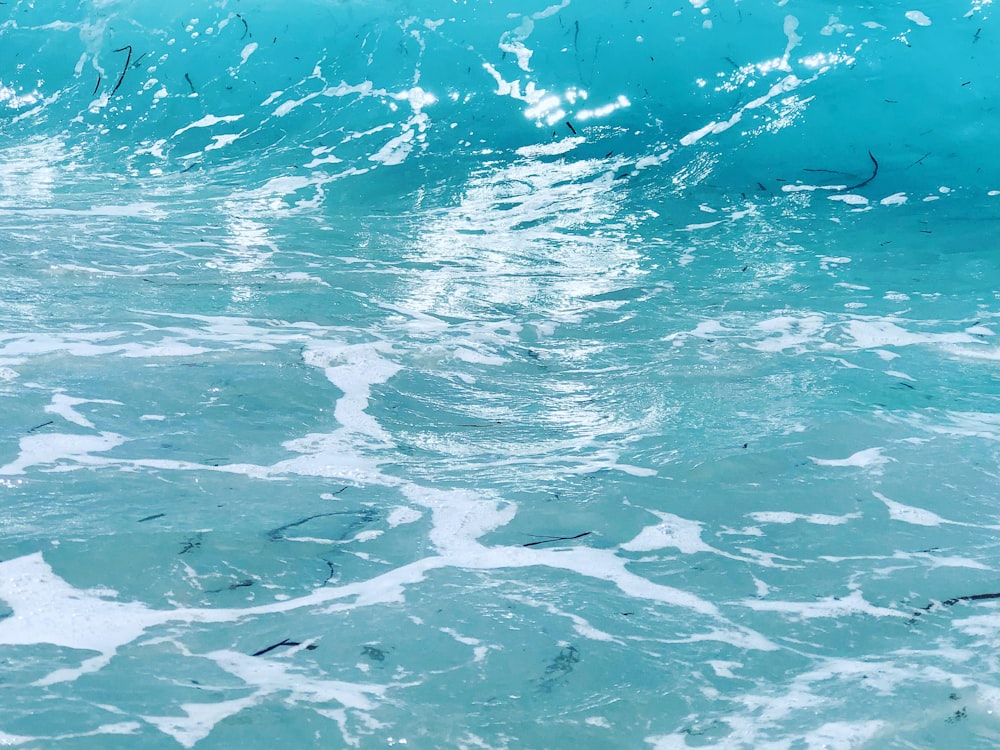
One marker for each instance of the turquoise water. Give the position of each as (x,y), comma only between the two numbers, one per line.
(586,375)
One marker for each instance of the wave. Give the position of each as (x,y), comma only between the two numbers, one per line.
(737,101)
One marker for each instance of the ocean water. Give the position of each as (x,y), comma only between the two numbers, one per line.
(499,374)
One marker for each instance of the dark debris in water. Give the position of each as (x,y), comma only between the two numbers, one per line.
(246,28)
(245,583)
(951,603)
(957,716)
(128,60)
(549,539)
(374,653)
(559,668)
(286,642)
(363,517)
(191,543)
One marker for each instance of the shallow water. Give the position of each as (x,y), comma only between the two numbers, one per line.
(499,376)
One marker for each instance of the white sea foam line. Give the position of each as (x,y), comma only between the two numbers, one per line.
(935,561)
(200,718)
(921,517)
(876,333)
(120,728)
(830,606)
(785,517)
(273,676)
(765,716)
(17,347)
(62,405)
(864,333)
(910,514)
(684,535)
(46,609)
(984,625)
(43,449)
(580,624)
(837,735)
(208,121)
(870,458)
(354,369)
(963,424)
(605,565)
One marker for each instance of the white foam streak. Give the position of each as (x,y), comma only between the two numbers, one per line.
(786,85)
(120,728)
(872,334)
(871,458)
(207,121)
(199,719)
(273,676)
(672,531)
(830,606)
(580,625)
(786,517)
(917,516)
(62,405)
(353,369)
(460,518)
(49,610)
(598,564)
(46,449)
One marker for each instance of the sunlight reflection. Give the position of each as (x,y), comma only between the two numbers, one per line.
(30,171)
(14,100)
(823,60)
(529,233)
(250,246)
(548,108)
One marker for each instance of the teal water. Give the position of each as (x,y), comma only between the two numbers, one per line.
(499,375)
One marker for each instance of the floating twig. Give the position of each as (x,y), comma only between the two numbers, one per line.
(279,644)
(277,534)
(128,59)
(246,29)
(864,182)
(547,540)
(363,517)
(232,587)
(953,602)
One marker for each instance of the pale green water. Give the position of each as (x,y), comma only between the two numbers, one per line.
(385,384)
